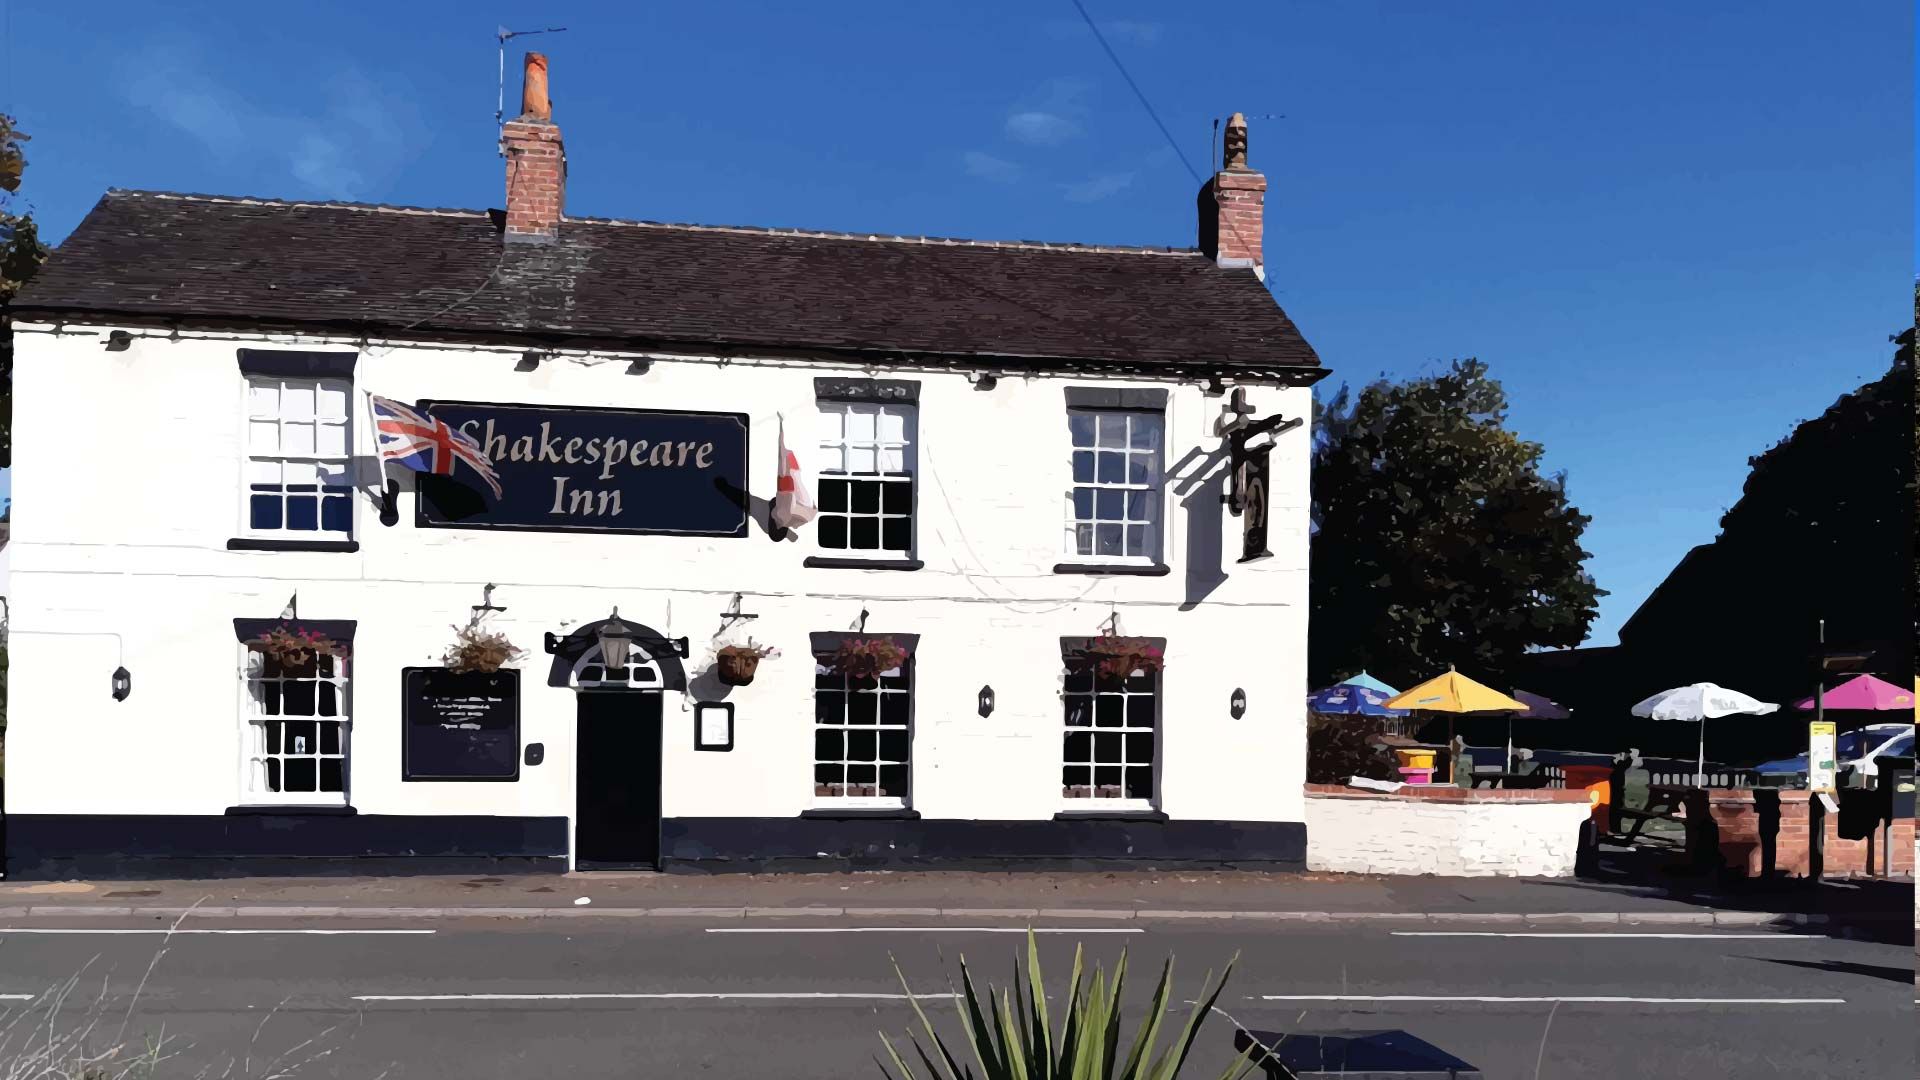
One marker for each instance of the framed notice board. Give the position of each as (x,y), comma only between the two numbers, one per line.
(459,725)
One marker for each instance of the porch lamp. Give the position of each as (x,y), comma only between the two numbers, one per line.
(122,684)
(616,641)
(1237,704)
(986,701)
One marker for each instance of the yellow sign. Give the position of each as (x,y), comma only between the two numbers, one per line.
(1822,768)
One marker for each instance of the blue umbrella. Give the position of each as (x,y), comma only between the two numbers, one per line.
(1355,697)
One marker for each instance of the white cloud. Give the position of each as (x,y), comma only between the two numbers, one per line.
(1049,117)
(1095,188)
(1040,128)
(357,134)
(987,167)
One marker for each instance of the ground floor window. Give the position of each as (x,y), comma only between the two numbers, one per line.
(297,728)
(1111,738)
(862,734)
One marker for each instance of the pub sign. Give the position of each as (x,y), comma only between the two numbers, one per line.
(580,469)
(1252,470)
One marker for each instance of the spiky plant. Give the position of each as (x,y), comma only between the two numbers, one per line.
(1011,1036)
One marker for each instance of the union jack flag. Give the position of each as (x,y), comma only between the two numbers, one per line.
(426,444)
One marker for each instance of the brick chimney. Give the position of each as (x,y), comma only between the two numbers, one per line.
(536,161)
(1231,205)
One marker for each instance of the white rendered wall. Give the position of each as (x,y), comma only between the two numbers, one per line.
(1372,835)
(125,534)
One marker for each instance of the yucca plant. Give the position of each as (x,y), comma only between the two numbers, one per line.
(1011,1036)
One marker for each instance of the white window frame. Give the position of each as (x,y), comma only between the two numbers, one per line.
(1125,693)
(1153,488)
(844,455)
(641,673)
(253,735)
(253,456)
(863,802)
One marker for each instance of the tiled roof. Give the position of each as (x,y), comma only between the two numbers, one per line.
(383,270)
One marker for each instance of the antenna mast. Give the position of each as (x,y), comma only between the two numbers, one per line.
(504,35)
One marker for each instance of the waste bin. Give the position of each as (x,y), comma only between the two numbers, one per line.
(1597,782)
(1416,766)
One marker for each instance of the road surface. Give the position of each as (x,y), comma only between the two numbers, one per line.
(804,997)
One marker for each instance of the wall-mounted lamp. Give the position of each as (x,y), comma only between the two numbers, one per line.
(986,701)
(616,641)
(119,341)
(529,361)
(1237,704)
(639,367)
(1215,387)
(122,684)
(984,380)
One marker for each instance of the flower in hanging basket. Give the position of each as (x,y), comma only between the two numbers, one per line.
(475,649)
(866,658)
(1113,658)
(737,664)
(295,646)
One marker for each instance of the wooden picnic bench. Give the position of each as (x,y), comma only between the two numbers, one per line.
(1664,803)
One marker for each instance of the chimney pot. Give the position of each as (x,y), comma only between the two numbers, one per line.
(534,104)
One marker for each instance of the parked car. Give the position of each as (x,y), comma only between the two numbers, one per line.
(1858,749)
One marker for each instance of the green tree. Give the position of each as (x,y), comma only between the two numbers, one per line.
(21,253)
(1436,540)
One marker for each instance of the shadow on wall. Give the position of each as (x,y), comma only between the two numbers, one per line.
(1202,494)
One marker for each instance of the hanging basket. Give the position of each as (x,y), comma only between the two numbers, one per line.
(1113,659)
(477,650)
(737,664)
(866,658)
(294,647)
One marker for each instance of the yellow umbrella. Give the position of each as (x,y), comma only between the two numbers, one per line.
(1454,693)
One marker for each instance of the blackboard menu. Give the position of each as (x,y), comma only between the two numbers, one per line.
(460,725)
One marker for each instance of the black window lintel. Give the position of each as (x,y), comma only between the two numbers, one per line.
(295,364)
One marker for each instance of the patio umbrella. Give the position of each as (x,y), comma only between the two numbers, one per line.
(1863,692)
(1453,694)
(1362,695)
(1539,707)
(1696,703)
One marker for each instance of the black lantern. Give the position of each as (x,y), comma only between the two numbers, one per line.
(122,684)
(986,701)
(1237,704)
(616,641)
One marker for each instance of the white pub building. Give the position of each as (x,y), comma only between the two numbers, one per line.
(1051,610)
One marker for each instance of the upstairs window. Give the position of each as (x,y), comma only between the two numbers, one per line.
(1114,509)
(866,476)
(299,450)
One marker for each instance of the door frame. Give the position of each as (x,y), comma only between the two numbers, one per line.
(573,780)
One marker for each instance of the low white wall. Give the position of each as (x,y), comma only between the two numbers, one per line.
(1362,834)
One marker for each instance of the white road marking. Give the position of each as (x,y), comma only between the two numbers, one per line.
(922,930)
(1571,934)
(1564,1000)
(16,997)
(681,996)
(157,932)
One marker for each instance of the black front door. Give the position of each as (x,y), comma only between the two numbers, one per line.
(616,816)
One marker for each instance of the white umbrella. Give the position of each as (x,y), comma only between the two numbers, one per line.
(1696,703)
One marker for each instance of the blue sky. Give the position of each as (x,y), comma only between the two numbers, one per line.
(1673,230)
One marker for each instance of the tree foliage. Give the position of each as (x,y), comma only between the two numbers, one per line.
(1436,539)
(21,253)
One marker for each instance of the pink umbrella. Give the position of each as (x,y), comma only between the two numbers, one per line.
(1863,692)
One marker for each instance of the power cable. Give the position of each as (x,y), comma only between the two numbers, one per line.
(1137,92)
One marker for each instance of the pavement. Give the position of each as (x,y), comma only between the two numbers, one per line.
(792,975)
